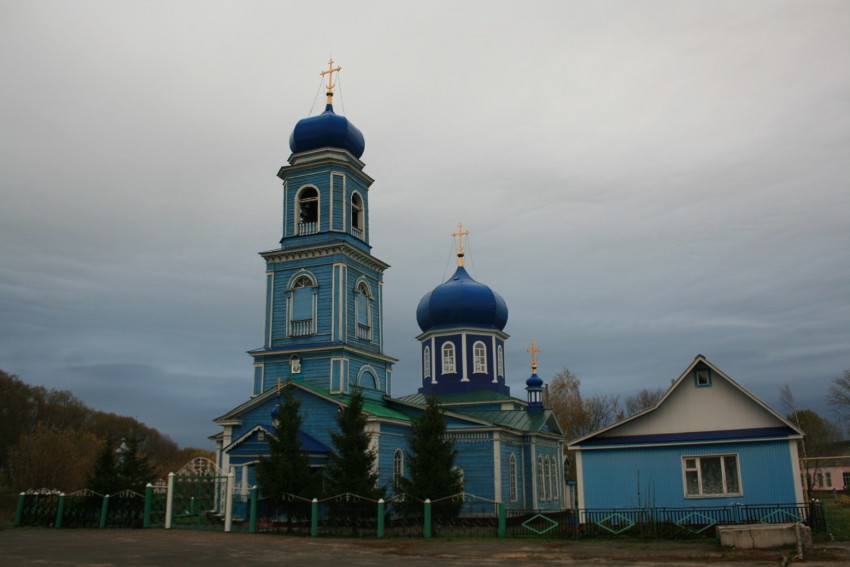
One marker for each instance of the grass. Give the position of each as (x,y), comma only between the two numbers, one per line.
(837,511)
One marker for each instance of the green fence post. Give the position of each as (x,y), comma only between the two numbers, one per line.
(427,518)
(503,530)
(314,518)
(60,509)
(252,523)
(19,513)
(381,517)
(103,511)
(148,505)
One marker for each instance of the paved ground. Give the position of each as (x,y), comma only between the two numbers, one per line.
(106,548)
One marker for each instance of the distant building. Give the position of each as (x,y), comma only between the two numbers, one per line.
(708,442)
(323,336)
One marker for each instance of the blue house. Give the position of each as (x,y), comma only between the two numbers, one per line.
(323,337)
(708,442)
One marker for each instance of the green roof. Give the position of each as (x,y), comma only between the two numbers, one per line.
(518,419)
(477,397)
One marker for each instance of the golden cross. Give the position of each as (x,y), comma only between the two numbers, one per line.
(533,350)
(330,74)
(460,234)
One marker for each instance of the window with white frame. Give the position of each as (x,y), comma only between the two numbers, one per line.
(714,475)
(555,484)
(479,358)
(307,211)
(398,467)
(500,360)
(301,307)
(512,479)
(541,495)
(357,216)
(448,358)
(363,312)
(426,362)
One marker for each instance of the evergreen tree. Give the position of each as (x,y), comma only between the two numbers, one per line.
(351,466)
(134,469)
(287,470)
(431,471)
(104,479)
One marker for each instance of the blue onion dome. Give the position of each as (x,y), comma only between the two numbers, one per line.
(327,130)
(462,302)
(534,381)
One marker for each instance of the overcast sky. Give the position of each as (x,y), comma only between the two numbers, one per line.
(643,182)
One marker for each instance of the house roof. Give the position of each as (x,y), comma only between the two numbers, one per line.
(650,426)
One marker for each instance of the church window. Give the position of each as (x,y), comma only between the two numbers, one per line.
(398,467)
(367,380)
(301,307)
(479,357)
(426,362)
(555,490)
(295,364)
(540,494)
(363,312)
(307,211)
(547,479)
(500,360)
(512,478)
(357,216)
(448,358)
(711,475)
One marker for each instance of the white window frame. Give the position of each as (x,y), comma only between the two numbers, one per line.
(447,358)
(693,464)
(512,478)
(500,361)
(479,357)
(305,228)
(426,362)
(541,492)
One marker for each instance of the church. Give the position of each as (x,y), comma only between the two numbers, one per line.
(323,337)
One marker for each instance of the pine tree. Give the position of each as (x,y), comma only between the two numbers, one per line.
(430,464)
(134,469)
(287,470)
(351,467)
(104,479)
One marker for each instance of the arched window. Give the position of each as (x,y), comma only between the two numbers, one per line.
(500,356)
(479,358)
(398,467)
(426,362)
(363,312)
(357,216)
(547,481)
(540,479)
(367,380)
(301,309)
(554,490)
(448,358)
(512,478)
(307,211)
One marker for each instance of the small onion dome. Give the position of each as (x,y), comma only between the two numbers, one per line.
(327,130)
(534,381)
(462,302)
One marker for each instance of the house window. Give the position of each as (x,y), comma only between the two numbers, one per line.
(426,362)
(363,312)
(448,358)
(711,476)
(540,479)
(819,479)
(479,357)
(307,210)
(357,216)
(398,467)
(828,477)
(846,478)
(500,360)
(301,312)
(702,377)
(512,478)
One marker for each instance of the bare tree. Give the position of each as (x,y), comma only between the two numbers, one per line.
(838,397)
(642,400)
(579,416)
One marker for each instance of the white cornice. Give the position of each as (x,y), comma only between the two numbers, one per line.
(322,250)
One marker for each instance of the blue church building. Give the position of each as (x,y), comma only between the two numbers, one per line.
(323,337)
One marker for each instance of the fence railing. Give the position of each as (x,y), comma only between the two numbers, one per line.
(403,516)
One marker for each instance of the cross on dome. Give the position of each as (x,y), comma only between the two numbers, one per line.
(460,234)
(330,74)
(533,350)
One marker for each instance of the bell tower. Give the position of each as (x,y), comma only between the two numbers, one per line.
(323,315)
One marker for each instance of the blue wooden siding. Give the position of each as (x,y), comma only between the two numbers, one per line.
(626,478)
